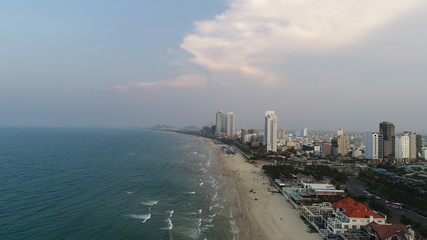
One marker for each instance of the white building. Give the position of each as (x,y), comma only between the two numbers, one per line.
(373,146)
(302,132)
(424,152)
(351,215)
(270,133)
(402,147)
(230,124)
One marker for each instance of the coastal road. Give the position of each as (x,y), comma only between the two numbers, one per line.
(357,188)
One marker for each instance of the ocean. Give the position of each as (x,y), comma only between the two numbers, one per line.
(82,183)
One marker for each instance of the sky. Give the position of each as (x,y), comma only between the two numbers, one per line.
(319,64)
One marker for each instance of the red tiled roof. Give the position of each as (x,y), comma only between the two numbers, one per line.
(350,204)
(362,214)
(355,209)
(388,231)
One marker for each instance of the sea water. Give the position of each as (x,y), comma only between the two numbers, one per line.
(77,183)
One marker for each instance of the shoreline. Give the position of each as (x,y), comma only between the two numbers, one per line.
(259,213)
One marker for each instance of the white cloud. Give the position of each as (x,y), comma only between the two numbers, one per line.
(252,34)
(191,80)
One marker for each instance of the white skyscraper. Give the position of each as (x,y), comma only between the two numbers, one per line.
(230,124)
(220,122)
(373,146)
(270,133)
(304,132)
(402,147)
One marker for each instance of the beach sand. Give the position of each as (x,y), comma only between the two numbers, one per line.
(259,213)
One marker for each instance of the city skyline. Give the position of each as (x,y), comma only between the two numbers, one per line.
(318,64)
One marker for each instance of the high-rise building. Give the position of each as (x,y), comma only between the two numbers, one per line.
(387,131)
(340,144)
(220,122)
(402,145)
(302,132)
(280,134)
(270,132)
(413,155)
(419,146)
(343,144)
(326,149)
(230,124)
(373,146)
(424,152)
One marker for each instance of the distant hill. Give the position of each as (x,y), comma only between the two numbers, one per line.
(162,127)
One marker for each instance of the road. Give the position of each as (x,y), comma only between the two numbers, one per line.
(356,188)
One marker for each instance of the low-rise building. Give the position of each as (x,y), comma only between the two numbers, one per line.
(390,231)
(350,214)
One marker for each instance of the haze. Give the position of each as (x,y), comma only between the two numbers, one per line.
(320,64)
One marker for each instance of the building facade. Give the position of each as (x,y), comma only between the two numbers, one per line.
(230,124)
(220,122)
(413,153)
(270,132)
(374,146)
(340,144)
(402,147)
(387,130)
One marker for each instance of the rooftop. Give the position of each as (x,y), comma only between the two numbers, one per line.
(388,231)
(350,204)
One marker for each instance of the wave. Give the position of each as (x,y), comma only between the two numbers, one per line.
(196,212)
(143,217)
(215,195)
(127,192)
(201,184)
(168,221)
(190,193)
(193,233)
(231,214)
(150,203)
(234,228)
(208,226)
(169,224)
(170,213)
(218,205)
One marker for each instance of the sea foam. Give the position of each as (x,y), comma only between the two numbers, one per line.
(150,203)
(143,217)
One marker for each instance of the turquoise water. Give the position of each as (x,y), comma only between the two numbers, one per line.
(110,184)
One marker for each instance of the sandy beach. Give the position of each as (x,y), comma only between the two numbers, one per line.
(259,213)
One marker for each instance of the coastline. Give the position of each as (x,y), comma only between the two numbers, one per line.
(259,213)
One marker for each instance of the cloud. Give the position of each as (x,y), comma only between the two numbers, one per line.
(191,80)
(252,35)
(121,87)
